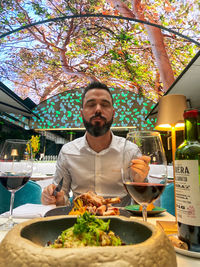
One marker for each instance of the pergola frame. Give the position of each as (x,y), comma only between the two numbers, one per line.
(102,16)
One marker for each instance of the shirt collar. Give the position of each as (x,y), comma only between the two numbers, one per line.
(113,145)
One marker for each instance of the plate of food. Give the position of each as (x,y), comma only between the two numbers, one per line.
(94,204)
(188,253)
(62,210)
(182,247)
(151,209)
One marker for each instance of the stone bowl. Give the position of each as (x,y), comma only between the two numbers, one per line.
(146,245)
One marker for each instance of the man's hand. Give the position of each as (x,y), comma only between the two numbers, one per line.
(48,198)
(141,168)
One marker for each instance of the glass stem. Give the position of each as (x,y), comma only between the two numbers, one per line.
(144,212)
(12,198)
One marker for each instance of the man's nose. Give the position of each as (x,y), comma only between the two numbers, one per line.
(97,114)
(98,108)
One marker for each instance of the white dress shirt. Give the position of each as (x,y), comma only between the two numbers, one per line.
(83,169)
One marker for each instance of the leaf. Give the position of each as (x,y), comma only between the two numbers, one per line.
(168,8)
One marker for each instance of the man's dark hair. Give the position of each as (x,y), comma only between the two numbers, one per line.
(96,85)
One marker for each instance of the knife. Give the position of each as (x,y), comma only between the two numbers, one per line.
(58,187)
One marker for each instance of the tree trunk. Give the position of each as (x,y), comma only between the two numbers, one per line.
(155,38)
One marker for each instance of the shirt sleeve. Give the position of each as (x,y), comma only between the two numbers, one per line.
(62,171)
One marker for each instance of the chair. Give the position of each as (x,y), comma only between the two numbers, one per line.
(167,199)
(30,193)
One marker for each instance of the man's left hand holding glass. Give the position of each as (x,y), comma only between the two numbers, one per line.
(140,167)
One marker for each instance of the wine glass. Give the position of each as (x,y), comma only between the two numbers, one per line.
(144,190)
(15,170)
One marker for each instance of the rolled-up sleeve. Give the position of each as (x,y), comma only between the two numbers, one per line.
(62,171)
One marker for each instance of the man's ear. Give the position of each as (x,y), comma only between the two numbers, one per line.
(113,113)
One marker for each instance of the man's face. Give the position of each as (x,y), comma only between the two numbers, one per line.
(97,112)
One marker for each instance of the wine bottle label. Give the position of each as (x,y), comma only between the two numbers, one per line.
(187,191)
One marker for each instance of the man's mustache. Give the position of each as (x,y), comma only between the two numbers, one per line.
(97,116)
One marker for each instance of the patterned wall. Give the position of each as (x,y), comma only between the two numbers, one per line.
(63,111)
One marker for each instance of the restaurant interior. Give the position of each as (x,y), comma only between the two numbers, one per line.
(57,121)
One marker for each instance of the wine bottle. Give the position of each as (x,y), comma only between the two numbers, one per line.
(198,126)
(187,181)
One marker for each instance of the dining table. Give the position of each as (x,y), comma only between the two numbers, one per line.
(22,215)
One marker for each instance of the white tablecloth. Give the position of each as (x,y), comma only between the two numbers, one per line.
(29,211)
(40,167)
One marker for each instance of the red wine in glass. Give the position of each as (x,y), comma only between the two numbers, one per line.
(14,183)
(16,166)
(144,192)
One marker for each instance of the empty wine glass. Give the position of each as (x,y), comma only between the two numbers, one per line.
(15,170)
(144,190)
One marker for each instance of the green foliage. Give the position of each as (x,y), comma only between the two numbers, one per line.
(124,36)
(38,9)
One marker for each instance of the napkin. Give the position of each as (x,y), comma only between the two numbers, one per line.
(29,211)
(169,227)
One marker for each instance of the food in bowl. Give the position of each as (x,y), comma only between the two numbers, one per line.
(176,242)
(87,231)
(94,204)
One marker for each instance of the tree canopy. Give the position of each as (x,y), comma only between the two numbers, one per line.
(62,54)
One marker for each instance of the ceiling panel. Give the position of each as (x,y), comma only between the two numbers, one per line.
(11,103)
(187,83)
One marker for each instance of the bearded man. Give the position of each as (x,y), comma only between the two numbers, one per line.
(93,162)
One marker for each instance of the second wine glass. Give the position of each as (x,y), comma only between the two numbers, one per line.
(15,170)
(146,189)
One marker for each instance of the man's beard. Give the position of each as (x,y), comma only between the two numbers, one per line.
(96,129)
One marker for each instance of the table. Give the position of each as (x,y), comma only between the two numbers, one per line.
(42,181)
(182,261)
(41,178)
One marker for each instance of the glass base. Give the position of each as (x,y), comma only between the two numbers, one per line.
(8,225)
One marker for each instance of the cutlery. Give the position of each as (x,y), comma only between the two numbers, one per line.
(58,187)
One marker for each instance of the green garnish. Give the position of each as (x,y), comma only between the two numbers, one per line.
(88,231)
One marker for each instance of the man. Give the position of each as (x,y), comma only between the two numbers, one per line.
(93,162)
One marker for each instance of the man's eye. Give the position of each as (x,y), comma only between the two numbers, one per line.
(105,104)
(91,104)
